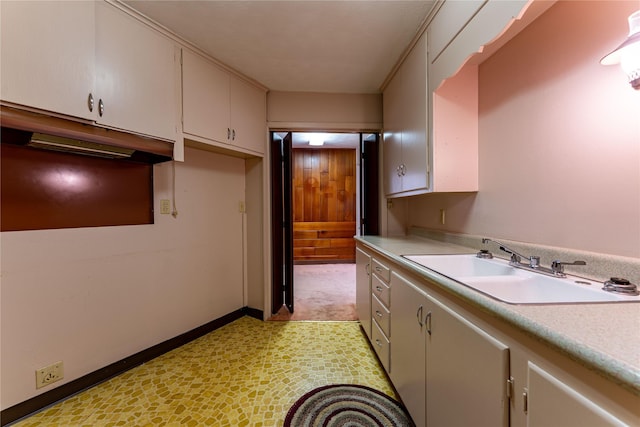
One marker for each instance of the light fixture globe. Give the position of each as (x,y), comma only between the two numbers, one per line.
(628,53)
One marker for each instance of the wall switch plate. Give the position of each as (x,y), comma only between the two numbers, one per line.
(165,207)
(49,374)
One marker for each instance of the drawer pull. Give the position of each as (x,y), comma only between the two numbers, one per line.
(378,342)
(378,288)
(378,269)
(378,313)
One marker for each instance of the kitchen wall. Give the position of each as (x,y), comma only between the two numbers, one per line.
(559,139)
(324,111)
(92,296)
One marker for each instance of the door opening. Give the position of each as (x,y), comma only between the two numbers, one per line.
(324,191)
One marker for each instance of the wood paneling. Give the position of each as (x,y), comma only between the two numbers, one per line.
(47,190)
(324,204)
(324,241)
(324,185)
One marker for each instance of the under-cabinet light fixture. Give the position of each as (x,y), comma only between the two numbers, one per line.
(628,53)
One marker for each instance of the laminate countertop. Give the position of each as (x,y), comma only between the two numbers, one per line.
(604,337)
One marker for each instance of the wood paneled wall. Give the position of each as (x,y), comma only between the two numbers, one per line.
(324,204)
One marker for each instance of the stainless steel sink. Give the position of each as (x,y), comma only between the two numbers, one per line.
(497,279)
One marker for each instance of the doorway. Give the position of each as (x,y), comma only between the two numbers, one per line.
(324,191)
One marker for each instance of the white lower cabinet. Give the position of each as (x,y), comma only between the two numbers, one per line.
(363,289)
(447,371)
(551,402)
(408,357)
(453,365)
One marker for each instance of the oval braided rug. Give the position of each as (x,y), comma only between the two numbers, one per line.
(346,405)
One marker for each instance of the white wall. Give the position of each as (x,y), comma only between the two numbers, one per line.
(324,111)
(92,296)
(559,139)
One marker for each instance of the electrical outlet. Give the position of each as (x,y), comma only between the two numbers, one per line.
(49,374)
(165,207)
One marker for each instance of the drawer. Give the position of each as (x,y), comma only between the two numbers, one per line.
(381,270)
(381,315)
(380,344)
(380,290)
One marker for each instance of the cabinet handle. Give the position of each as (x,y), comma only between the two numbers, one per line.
(398,171)
(378,313)
(525,401)
(90,102)
(378,270)
(403,169)
(378,342)
(100,108)
(233,134)
(366,268)
(228,133)
(419,316)
(427,322)
(378,288)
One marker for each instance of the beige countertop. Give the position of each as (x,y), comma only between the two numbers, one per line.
(604,337)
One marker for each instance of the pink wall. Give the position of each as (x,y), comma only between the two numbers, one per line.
(559,139)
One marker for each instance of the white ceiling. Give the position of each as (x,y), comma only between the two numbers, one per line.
(338,46)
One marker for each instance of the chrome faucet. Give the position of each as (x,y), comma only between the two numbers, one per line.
(516,258)
(556,270)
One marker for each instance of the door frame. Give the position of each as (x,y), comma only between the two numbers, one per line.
(281,226)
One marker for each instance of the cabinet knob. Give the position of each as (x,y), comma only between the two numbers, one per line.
(90,102)
(100,108)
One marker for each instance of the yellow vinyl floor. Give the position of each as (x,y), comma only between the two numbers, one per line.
(247,373)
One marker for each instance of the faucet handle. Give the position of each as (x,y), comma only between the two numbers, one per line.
(557,267)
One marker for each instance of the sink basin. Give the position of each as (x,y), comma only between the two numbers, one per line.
(497,279)
(463,265)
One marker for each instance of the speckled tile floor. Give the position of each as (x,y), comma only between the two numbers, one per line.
(247,373)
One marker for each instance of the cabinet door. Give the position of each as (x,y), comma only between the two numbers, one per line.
(414,132)
(553,403)
(363,289)
(409,306)
(135,75)
(248,115)
(48,55)
(392,142)
(467,372)
(205,98)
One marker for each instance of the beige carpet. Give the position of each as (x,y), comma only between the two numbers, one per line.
(322,292)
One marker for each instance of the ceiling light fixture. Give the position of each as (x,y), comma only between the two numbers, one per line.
(316,140)
(628,53)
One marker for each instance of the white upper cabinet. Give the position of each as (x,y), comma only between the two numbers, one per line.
(218,107)
(431,131)
(88,60)
(405,125)
(205,98)
(248,115)
(135,75)
(461,28)
(48,57)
